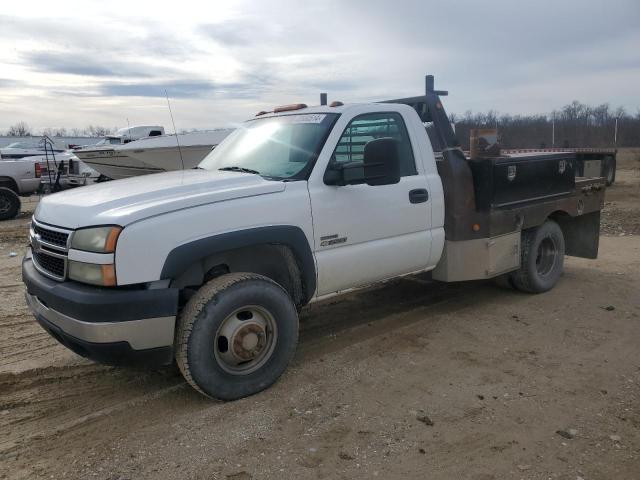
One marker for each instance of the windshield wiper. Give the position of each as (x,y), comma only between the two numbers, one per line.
(239,169)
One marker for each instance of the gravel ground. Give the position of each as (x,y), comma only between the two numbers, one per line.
(411,379)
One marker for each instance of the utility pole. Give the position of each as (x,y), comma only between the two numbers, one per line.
(553,129)
(615,134)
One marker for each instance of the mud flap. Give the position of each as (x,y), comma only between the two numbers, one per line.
(581,234)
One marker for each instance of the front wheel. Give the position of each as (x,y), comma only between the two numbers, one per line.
(236,336)
(542,258)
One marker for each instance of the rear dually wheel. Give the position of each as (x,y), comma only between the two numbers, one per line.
(542,259)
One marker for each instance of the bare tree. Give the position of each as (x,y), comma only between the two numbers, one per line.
(98,131)
(575,125)
(20,129)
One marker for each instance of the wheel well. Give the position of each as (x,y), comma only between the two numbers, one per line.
(275,261)
(9,183)
(558,216)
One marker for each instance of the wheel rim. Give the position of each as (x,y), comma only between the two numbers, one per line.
(5,204)
(546,257)
(245,340)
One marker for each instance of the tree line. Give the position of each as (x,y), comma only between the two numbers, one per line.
(574,125)
(22,129)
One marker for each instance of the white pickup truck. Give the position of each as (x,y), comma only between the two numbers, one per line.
(18,177)
(211,266)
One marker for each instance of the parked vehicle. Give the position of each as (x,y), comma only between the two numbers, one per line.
(174,152)
(20,177)
(106,158)
(152,154)
(29,148)
(64,170)
(211,266)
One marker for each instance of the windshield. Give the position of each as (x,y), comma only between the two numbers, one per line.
(109,141)
(275,147)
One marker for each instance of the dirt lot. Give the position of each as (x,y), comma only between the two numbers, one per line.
(408,380)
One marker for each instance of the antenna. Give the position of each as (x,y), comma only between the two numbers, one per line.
(174,129)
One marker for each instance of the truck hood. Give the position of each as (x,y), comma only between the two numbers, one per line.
(122,202)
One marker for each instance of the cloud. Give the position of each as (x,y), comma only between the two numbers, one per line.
(238,57)
(10,83)
(88,65)
(173,89)
(232,33)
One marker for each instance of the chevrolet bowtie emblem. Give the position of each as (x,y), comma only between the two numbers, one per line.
(35,242)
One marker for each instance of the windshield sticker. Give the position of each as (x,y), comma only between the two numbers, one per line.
(305,118)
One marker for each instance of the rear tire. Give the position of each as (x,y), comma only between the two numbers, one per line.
(542,258)
(9,204)
(236,336)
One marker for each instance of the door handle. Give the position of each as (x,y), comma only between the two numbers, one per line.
(419,195)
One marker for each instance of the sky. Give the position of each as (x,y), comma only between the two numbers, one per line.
(74,63)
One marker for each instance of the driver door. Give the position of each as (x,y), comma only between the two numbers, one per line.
(365,233)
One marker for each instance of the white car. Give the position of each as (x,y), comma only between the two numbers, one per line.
(19,177)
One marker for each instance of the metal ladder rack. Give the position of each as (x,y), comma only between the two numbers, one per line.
(48,143)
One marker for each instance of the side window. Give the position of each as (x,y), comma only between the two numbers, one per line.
(370,126)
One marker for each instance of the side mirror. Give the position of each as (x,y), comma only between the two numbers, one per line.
(381,166)
(382,161)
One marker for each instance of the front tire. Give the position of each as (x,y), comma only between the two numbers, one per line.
(236,336)
(9,204)
(542,258)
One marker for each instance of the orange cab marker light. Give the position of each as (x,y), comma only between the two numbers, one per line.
(110,244)
(336,104)
(288,108)
(476,227)
(108,275)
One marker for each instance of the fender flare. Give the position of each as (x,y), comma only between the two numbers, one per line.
(185,255)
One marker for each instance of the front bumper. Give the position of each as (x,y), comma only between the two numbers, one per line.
(114,326)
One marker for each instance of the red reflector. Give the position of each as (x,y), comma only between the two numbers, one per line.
(336,104)
(38,170)
(288,108)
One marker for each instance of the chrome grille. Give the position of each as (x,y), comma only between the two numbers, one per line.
(51,236)
(49,249)
(53,265)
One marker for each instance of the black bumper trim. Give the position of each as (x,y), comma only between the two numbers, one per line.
(96,304)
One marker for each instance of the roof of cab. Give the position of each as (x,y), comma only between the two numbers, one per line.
(316,109)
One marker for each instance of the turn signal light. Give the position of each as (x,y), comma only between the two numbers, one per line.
(38,170)
(109,275)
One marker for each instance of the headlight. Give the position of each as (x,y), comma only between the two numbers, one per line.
(96,239)
(103,275)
